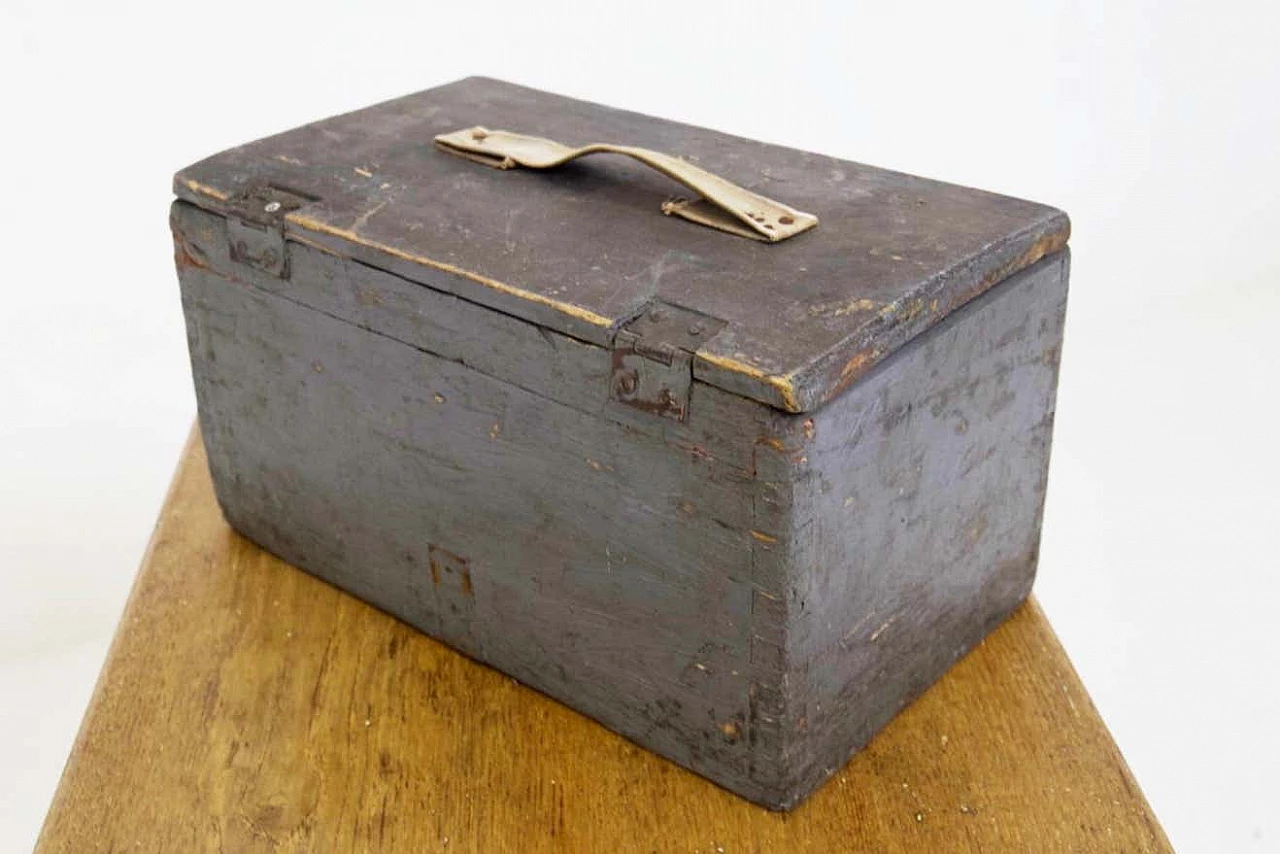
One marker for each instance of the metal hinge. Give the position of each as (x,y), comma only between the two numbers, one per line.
(255,228)
(653,358)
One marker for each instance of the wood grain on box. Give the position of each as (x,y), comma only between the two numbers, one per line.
(749,572)
(749,592)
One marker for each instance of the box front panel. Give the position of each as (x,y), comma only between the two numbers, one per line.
(608,566)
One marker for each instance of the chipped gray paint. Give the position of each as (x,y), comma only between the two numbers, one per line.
(749,593)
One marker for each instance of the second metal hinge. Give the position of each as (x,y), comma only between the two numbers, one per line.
(255,228)
(653,358)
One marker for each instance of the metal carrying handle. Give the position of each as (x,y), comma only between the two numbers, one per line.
(723,204)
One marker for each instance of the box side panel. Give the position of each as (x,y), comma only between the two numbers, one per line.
(918,503)
(608,566)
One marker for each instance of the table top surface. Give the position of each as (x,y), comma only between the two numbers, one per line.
(247,706)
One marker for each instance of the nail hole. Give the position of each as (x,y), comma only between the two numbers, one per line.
(769,226)
(786,220)
(478,135)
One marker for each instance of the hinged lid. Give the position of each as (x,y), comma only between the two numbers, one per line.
(584,250)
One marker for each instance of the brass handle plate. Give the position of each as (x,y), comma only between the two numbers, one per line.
(721,204)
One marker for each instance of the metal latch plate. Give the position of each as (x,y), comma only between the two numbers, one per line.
(653,358)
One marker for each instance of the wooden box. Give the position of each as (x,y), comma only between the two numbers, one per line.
(738,500)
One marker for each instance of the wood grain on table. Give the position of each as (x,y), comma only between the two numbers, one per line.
(246,706)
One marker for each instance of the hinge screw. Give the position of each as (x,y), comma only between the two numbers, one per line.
(657,315)
(697,328)
(627,383)
(272,207)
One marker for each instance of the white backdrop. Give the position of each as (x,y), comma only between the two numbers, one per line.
(1155,124)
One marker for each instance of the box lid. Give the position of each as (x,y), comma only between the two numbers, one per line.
(584,250)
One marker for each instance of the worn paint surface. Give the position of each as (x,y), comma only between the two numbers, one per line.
(918,497)
(747,592)
(551,539)
(580,250)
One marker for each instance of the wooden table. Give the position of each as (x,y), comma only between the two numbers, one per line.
(246,706)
